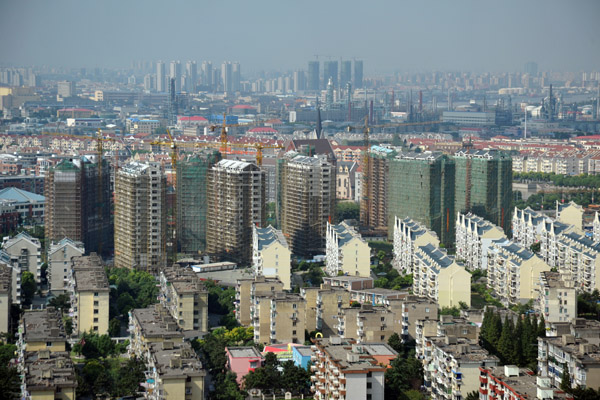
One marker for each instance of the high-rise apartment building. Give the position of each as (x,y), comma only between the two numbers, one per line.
(484,185)
(299,81)
(227,76)
(160,77)
(307,201)
(236,202)
(422,187)
(345,73)
(358,74)
(207,74)
(66,89)
(191,200)
(236,77)
(374,185)
(313,76)
(330,70)
(140,217)
(175,73)
(191,73)
(78,200)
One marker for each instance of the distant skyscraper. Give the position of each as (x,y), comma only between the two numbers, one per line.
(313,76)
(191,71)
(140,217)
(207,74)
(160,77)
(227,76)
(65,89)
(531,68)
(299,81)
(175,73)
(345,73)
(358,74)
(148,82)
(236,76)
(330,70)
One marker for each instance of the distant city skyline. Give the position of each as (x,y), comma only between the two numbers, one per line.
(273,35)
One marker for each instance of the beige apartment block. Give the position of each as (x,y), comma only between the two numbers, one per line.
(283,315)
(346,251)
(271,255)
(48,375)
(345,370)
(175,372)
(557,298)
(59,263)
(440,278)
(151,325)
(526,226)
(408,236)
(247,290)
(5,297)
(41,330)
(513,272)
(410,310)
(474,235)
(140,217)
(367,323)
(322,308)
(186,298)
(570,214)
(26,252)
(89,289)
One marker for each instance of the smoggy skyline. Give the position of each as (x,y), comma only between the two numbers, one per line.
(282,35)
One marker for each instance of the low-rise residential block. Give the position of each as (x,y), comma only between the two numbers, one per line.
(246,292)
(26,252)
(408,236)
(48,375)
(474,236)
(322,308)
(346,251)
(242,360)
(349,282)
(59,263)
(557,299)
(367,323)
(279,318)
(151,325)
(5,297)
(271,255)
(512,382)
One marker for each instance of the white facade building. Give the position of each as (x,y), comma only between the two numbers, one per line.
(408,236)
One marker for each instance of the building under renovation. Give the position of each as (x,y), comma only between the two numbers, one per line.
(236,193)
(484,185)
(307,201)
(78,203)
(191,200)
(421,187)
(140,217)
(373,205)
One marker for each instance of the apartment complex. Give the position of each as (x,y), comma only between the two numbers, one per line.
(413,309)
(557,297)
(570,214)
(440,278)
(581,357)
(323,305)
(513,272)
(59,263)
(345,370)
(422,188)
(474,236)
(192,201)
(185,297)
(247,290)
(140,217)
(279,318)
(526,226)
(41,330)
(510,381)
(175,372)
(451,366)
(367,323)
(307,201)
(78,199)
(88,286)
(236,203)
(346,251)
(374,187)
(484,185)
(25,253)
(151,325)
(5,297)
(408,236)
(271,256)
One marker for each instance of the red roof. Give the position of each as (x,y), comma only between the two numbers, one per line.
(262,129)
(591,137)
(75,109)
(192,118)
(243,107)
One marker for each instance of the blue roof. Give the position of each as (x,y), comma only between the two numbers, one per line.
(20,196)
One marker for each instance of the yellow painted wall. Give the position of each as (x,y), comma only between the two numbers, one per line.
(530,277)
(277,257)
(454,286)
(85,309)
(356,258)
(36,346)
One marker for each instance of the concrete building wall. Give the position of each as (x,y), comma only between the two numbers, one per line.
(454,286)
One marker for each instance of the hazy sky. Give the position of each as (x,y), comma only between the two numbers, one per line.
(477,35)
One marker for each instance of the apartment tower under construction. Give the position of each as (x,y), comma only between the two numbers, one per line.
(375,175)
(235,194)
(140,217)
(78,204)
(307,201)
(191,200)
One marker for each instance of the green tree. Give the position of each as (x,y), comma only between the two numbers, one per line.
(404,374)
(228,388)
(505,344)
(474,395)
(295,379)
(28,287)
(347,210)
(565,382)
(94,379)
(265,377)
(129,377)
(114,328)
(10,383)
(62,302)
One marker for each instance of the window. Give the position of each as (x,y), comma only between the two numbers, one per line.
(95,294)
(48,344)
(294,333)
(369,385)
(95,311)
(95,319)
(95,303)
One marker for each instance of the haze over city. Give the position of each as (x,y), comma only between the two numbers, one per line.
(280,35)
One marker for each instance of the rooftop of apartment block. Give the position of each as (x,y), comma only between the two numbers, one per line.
(176,360)
(49,370)
(155,321)
(43,325)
